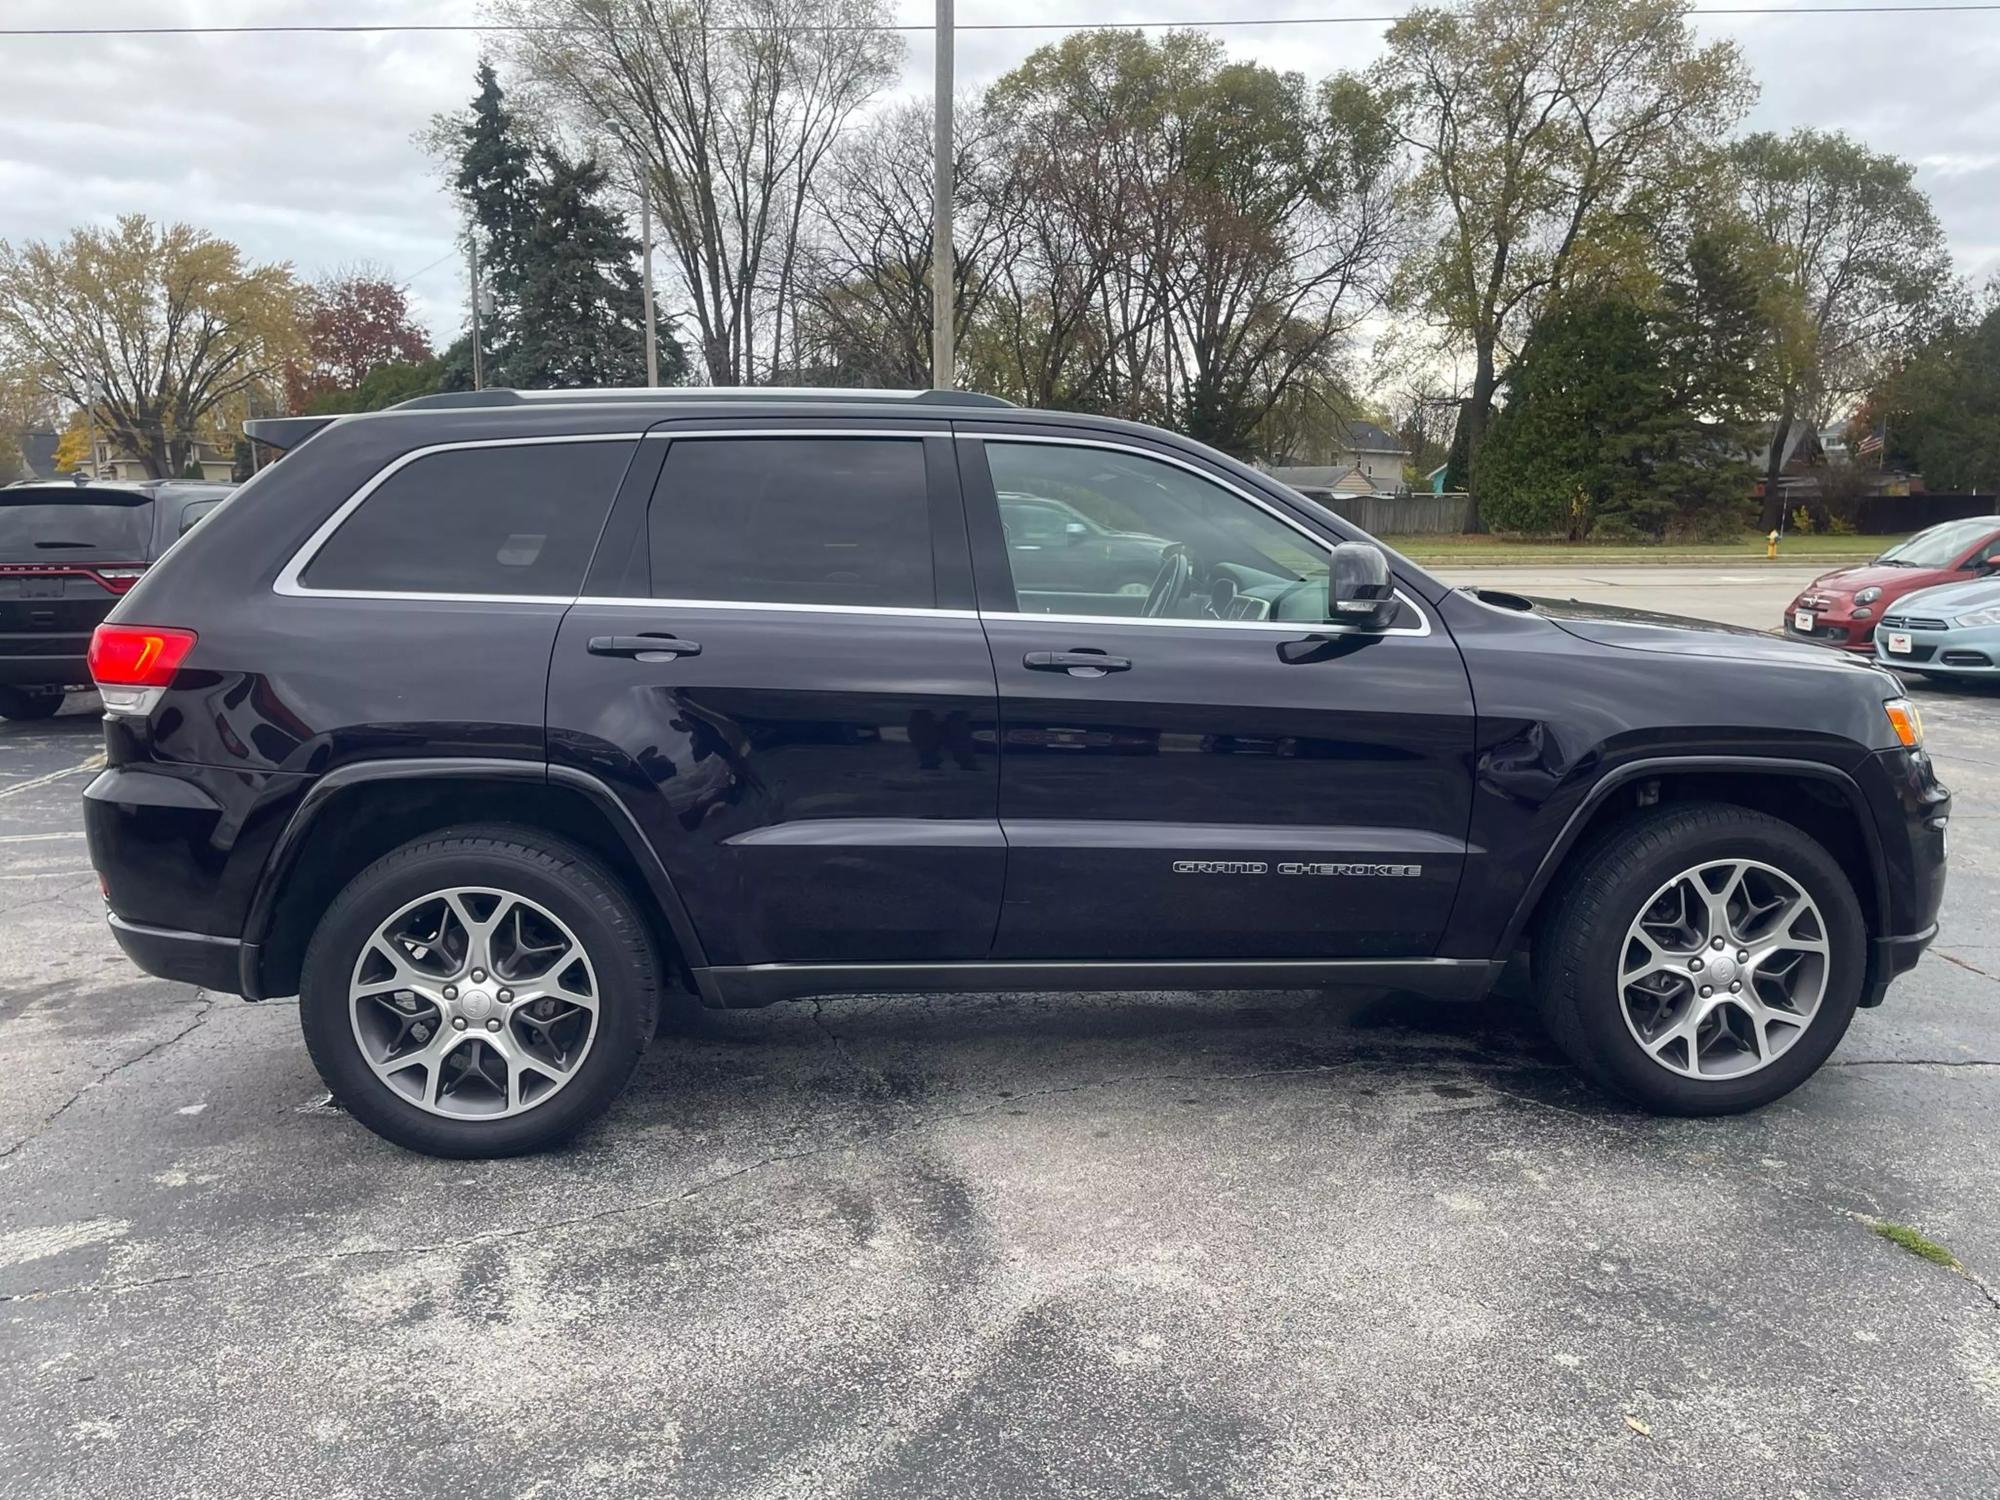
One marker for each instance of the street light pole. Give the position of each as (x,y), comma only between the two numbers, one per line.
(646,278)
(943,377)
(478,353)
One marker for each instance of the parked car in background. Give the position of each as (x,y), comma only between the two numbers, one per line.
(1062,550)
(67,552)
(1947,632)
(1843,608)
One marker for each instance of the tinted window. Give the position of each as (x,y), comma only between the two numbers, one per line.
(515,519)
(74,530)
(794,521)
(1155,540)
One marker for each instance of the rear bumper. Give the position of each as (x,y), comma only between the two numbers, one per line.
(214,963)
(59,670)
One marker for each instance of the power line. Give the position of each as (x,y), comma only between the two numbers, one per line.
(369,28)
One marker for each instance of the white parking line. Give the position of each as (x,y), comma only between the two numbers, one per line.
(95,763)
(39,838)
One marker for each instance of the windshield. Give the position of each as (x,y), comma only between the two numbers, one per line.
(75,531)
(1939,547)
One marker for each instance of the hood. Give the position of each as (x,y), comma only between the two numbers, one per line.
(1644,630)
(1952,598)
(1884,576)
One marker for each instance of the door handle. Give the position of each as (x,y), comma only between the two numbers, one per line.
(643,647)
(1088,663)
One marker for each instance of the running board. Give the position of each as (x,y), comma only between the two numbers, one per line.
(744,986)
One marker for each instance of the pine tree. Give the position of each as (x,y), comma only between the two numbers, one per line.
(556,261)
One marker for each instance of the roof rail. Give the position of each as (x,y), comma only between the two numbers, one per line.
(675,394)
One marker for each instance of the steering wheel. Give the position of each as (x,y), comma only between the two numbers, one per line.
(1170,584)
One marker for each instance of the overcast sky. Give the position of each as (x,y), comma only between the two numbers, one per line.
(300,148)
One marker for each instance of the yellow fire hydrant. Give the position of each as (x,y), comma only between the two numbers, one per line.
(1771,545)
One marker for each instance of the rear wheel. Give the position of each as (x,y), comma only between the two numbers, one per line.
(18,703)
(1701,959)
(483,992)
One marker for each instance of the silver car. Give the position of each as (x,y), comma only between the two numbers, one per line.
(1950,631)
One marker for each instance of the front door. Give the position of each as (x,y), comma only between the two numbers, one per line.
(779,667)
(1197,768)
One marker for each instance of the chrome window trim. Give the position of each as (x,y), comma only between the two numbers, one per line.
(1294,627)
(288,577)
(634,601)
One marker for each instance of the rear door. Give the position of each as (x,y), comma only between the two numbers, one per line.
(779,666)
(1201,770)
(65,557)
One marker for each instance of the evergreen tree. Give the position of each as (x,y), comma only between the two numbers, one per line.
(495,179)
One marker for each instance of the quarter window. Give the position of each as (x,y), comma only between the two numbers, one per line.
(1099,531)
(518,518)
(834,520)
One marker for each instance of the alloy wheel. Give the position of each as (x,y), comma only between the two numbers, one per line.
(474,1003)
(1723,969)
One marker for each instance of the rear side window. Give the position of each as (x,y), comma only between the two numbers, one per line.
(838,520)
(512,519)
(75,531)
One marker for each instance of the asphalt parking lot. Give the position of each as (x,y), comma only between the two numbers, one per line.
(1145,1244)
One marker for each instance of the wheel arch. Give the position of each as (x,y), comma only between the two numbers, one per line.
(1821,800)
(356,813)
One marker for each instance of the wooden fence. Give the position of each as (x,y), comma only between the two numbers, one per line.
(1421,514)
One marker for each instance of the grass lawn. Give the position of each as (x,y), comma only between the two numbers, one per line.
(1470,551)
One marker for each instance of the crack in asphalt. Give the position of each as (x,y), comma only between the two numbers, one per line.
(56,895)
(209,1003)
(1969,967)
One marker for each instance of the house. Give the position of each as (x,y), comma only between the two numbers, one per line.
(1318,481)
(1350,444)
(112,461)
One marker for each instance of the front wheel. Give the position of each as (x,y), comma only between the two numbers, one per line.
(1701,959)
(481,992)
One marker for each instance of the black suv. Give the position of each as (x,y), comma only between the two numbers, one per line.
(500,728)
(67,552)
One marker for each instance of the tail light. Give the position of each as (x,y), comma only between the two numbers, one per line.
(132,664)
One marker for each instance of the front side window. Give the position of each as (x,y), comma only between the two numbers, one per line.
(795,520)
(1129,535)
(512,519)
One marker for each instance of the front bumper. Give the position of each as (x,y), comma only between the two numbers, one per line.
(1839,632)
(1973,652)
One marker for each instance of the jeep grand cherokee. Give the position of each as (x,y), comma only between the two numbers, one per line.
(496,726)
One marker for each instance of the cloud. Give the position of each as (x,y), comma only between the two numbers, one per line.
(300,148)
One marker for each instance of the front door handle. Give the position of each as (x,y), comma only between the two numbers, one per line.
(1076,663)
(644,647)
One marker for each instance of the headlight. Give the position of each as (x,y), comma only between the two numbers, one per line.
(1867,596)
(1979,617)
(1906,721)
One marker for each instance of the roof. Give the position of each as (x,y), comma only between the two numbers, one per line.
(1367,436)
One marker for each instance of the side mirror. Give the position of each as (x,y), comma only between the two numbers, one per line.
(1359,594)
(1075,531)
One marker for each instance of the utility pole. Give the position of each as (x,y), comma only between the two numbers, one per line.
(646,277)
(943,377)
(478,354)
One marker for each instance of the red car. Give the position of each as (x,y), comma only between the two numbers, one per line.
(1841,608)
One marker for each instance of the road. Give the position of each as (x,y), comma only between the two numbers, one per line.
(1144,1244)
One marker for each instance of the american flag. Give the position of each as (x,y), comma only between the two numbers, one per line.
(1870,444)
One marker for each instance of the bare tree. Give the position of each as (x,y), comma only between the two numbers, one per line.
(730,107)
(866,293)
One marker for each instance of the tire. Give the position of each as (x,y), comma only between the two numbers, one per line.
(16,704)
(563,897)
(1585,942)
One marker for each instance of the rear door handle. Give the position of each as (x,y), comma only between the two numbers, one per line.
(644,647)
(1076,663)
